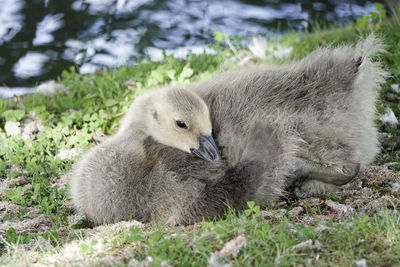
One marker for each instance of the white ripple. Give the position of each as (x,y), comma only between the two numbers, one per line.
(30,65)
(46,27)
(156,54)
(109,7)
(10,19)
(11,91)
(104,50)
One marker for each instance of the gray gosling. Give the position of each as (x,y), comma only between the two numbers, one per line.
(164,165)
(326,101)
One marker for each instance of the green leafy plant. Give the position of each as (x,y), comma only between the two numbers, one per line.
(135,234)
(88,248)
(371,22)
(252,210)
(13,115)
(221,38)
(17,195)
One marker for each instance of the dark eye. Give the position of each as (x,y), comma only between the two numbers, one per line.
(181,124)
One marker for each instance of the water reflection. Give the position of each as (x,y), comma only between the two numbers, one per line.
(30,65)
(39,39)
(110,7)
(11,20)
(46,27)
(111,50)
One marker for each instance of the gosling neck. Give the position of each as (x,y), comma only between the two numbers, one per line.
(134,122)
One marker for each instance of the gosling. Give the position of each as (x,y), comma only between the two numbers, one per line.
(329,100)
(164,165)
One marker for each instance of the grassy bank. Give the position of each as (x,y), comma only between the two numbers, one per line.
(357,225)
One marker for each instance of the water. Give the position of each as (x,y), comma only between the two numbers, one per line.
(39,39)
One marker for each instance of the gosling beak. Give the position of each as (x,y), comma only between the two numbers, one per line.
(207,150)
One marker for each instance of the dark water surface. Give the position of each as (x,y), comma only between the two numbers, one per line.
(39,39)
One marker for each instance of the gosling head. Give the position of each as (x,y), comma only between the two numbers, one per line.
(179,118)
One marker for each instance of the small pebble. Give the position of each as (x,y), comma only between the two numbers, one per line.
(361,263)
(296,211)
(12,128)
(306,245)
(395,189)
(231,248)
(389,118)
(339,208)
(280,213)
(130,84)
(320,228)
(395,88)
(51,87)
(267,214)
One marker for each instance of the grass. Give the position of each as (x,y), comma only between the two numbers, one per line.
(375,238)
(92,109)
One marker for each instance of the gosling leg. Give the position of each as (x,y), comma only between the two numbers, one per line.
(330,175)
